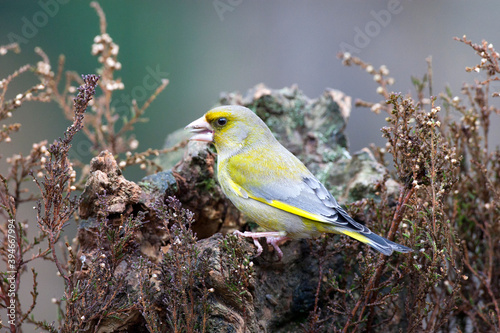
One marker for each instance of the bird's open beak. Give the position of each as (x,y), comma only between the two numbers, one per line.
(203,131)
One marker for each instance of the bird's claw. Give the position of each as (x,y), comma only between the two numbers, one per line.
(272,238)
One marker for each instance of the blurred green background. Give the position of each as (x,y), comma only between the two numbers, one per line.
(206,47)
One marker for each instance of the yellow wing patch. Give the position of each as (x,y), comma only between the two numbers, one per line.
(291,209)
(237,189)
(356,236)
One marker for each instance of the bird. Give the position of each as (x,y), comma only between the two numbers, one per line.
(271,186)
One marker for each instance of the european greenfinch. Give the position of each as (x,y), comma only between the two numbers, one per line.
(273,187)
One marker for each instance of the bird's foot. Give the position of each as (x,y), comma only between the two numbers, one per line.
(273,238)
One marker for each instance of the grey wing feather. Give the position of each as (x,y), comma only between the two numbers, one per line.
(341,218)
(344,221)
(313,197)
(310,195)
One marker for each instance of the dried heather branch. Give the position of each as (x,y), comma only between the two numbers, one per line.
(371,290)
(58,206)
(5,48)
(139,112)
(380,76)
(141,158)
(489,59)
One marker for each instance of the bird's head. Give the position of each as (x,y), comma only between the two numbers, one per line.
(230,128)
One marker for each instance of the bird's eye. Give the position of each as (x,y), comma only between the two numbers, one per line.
(221,121)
